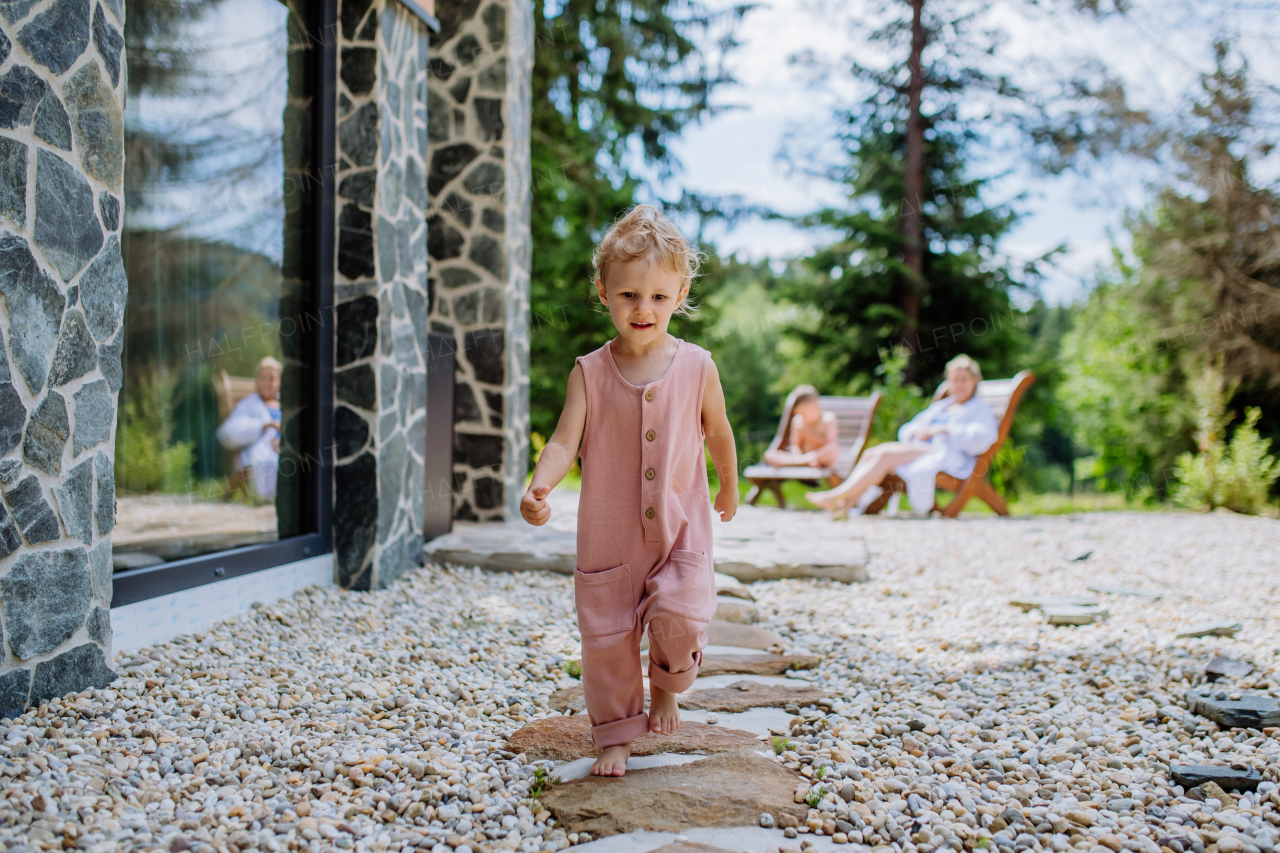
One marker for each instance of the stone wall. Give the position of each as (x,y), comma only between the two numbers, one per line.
(380,293)
(479,101)
(62,288)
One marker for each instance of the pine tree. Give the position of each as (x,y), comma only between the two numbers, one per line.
(916,265)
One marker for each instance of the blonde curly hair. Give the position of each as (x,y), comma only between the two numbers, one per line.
(646,232)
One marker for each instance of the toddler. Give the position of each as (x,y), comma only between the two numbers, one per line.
(813,438)
(640,406)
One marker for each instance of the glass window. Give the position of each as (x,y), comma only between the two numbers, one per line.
(215,410)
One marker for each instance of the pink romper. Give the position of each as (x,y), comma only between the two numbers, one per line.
(644,538)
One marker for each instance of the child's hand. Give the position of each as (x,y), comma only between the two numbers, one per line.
(727,503)
(533,506)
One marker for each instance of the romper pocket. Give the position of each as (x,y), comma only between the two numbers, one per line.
(604,600)
(685,586)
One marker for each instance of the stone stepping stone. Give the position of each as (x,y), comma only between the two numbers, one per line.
(731,609)
(749,664)
(780,551)
(571,700)
(568,700)
(723,790)
(1073,614)
(1250,711)
(1228,778)
(845,562)
(713,649)
(569,738)
(742,839)
(721,633)
(729,585)
(689,847)
(745,695)
(509,547)
(581,768)
(1211,629)
(1222,666)
(1039,602)
(761,722)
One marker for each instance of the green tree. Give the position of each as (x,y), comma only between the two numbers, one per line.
(876,286)
(613,84)
(1202,287)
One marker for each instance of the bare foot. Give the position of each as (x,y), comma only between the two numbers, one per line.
(612,761)
(822,500)
(835,503)
(664,713)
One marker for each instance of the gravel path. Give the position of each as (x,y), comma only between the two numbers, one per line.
(376,721)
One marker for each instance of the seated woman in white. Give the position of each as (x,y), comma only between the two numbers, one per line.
(254,429)
(948,437)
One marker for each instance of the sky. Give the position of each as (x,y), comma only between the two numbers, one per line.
(1158,48)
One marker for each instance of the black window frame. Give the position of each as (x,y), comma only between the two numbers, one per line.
(135,585)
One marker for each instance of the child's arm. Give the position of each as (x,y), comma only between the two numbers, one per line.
(715,425)
(558,454)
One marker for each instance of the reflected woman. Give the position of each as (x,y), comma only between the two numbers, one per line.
(254,429)
(946,437)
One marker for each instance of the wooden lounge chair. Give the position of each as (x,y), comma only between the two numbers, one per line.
(854,416)
(1003,396)
(230,390)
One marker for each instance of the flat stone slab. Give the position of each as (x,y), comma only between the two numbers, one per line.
(569,738)
(743,839)
(745,695)
(1211,629)
(1228,778)
(726,585)
(690,847)
(760,544)
(1251,711)
(568,700)
(1039,602)
(756,664)
(1073,614)
(571,700)
(1229,667)
(513,546)
(759,721)
(721,633)
(581,768)
(734,638)
(732,609)
(723,790)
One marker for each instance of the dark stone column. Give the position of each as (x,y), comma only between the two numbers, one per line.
(381,293)
(63,283)
(479,114)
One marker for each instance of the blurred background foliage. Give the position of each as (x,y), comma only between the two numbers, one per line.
(1114,419)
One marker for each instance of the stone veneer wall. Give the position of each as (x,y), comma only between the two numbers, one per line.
(479,105)
(380,293)
(62,287)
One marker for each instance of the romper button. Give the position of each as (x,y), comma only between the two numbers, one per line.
(649,513)
(648,475)
(648,395)
(651,435)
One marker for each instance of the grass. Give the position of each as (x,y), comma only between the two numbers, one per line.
(541,782)
(1052,503)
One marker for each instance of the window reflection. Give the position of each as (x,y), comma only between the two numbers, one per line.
(215,126)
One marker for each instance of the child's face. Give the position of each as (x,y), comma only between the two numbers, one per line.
(641,297)
(810,411)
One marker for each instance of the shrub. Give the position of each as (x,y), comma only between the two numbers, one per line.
(1236,475)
